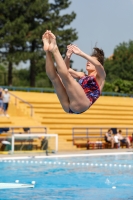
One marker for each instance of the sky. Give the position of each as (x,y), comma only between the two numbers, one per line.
(106,23)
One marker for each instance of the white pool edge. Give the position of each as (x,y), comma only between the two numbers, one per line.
(65,155)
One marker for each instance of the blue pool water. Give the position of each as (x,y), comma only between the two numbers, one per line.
(70,178)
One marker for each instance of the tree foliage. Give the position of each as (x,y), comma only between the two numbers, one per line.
(119,86)
(120,65)
(22,23)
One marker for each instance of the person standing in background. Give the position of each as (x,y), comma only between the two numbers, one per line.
(6,99)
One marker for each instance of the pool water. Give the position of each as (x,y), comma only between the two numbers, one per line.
(79,178)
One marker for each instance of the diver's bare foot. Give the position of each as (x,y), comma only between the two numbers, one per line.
(52,45)
(45,39)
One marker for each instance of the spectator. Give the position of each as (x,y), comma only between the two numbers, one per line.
(4,130)
(116,140)
(26,129)
(109,138)
(44,143)
(6,99)
(1,101)
(123,140)
(130,140)
(3,142)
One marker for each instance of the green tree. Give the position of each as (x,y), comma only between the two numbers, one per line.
(3,73)
(20,77)
(120,65)
(22,23)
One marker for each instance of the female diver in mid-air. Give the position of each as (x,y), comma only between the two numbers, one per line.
(75,97)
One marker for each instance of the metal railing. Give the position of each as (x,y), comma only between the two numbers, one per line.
(51,90)
(29,89)
(31,107)
(96,132)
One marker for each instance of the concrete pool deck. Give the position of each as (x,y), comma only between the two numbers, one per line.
(67,153)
